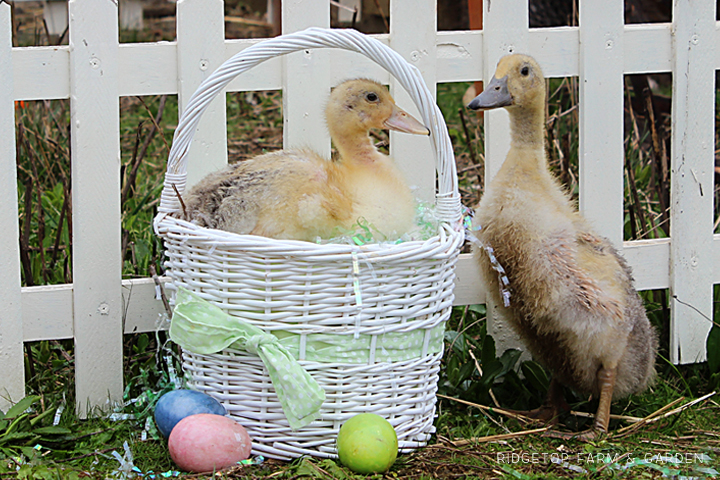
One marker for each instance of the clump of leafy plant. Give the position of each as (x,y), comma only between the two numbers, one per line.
(474,372)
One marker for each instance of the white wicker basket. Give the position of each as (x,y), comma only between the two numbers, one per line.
(307,290)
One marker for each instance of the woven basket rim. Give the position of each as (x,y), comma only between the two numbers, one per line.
(166,225)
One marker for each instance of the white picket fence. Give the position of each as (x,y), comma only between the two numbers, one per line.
(94,70)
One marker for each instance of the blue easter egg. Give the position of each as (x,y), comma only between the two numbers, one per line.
(178,404)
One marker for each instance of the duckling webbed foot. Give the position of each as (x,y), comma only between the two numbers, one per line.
(589,435)
(554,405)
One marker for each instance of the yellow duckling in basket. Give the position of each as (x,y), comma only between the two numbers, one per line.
(297,194)
(571,295)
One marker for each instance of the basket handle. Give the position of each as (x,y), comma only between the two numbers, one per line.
(447,198)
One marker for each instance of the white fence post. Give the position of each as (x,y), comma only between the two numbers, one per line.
(416,42)
(95,147)
(505,31)
(200,50)
(12,381)
(691,192)
(306,80)
(602,153)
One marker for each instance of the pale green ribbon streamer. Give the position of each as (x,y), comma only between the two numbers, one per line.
(389,347)
(203,328)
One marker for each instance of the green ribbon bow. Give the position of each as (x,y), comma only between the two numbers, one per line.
(203,328)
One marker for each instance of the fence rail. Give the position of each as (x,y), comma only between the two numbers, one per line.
(95,70)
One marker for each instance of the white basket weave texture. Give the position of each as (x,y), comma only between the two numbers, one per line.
(362,294)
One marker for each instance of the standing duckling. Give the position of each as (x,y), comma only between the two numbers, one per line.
(297,194)
(572,301)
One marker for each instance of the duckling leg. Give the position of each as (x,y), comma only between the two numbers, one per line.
(606,383)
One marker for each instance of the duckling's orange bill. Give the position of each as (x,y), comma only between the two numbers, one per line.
(495,95)
(402,121)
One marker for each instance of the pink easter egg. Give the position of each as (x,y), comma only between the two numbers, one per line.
(206,442)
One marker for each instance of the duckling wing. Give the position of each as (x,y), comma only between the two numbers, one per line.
(230,199)
(279,195)
(594,272)
(304,205)
(607,318)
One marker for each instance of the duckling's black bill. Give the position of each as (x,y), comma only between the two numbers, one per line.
(495,95)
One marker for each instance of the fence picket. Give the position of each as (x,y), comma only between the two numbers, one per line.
(691,192)
(12,387)
(505,31)
(306,80)
(95,150)
(200,50)
(416,42)
(601,117)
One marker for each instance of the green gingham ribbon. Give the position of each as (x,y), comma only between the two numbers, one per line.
(203,328)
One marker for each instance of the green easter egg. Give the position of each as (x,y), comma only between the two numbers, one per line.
(367,443)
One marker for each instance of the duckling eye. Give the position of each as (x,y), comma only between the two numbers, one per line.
(525,70)
(371,97)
